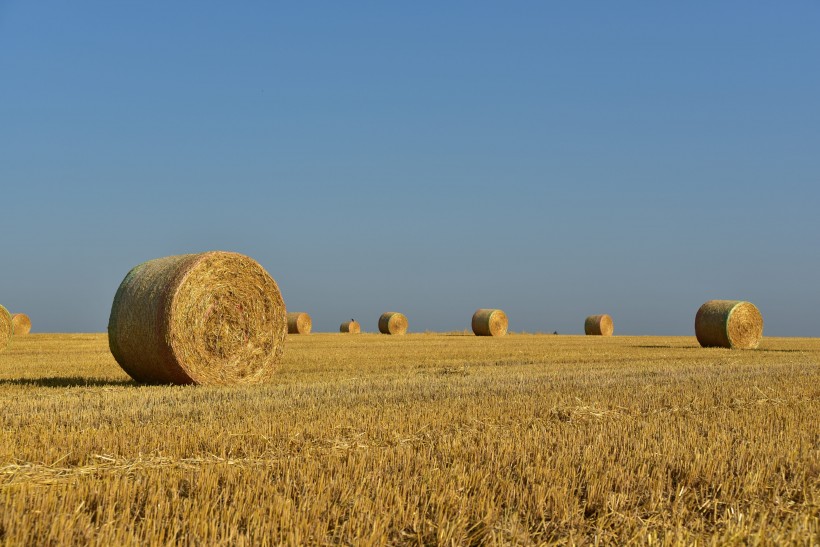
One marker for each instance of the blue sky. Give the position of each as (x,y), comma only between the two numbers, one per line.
(552,159)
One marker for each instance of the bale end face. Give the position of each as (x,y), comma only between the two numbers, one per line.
(350,327)
(299,323)
(21,324)
(733,324)
(598,325)
(490,322)
(393,323)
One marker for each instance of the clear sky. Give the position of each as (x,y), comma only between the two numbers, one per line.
(553,159)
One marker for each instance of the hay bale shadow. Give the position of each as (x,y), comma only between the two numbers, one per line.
(67,381)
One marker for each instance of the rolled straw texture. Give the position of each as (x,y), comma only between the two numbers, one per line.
(6,329)
(599,325)
(729,324)
(211,318)
(393,322)
(21,324)
(350,327)
(490,322)
(299,323)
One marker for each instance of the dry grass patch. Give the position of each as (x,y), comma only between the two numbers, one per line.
(418,439)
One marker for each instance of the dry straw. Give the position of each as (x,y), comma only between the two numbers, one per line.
(393,322)
(21,324)
(599,325)
(489,322)
(299,323)
(6,328)
(210,318)
(350,327)
(729,324)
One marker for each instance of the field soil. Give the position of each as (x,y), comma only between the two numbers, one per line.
(418,439)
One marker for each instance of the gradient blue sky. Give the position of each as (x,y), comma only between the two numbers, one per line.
(551,159)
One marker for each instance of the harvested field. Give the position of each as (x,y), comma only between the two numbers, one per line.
(422,438)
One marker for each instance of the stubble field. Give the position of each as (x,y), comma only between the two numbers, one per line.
(420,439)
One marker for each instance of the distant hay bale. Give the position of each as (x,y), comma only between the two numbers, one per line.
(299,323)
(21,324)
(599,325)
(393,322)
(490,322)
(729,324)
(350,327)
(210,318)
(6,328)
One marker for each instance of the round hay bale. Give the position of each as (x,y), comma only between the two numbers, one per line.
(210,318)
(299,323)
(489,322)
(21,324)
(6,329)
(729,324)
(393,322)
(350,327)
(598,325)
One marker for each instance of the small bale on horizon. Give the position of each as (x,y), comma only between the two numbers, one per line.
(6,328)
(299,323)
(350,327)
(393,322)
(214,318)
(598,325)
(490,322)
(729,324)
(21,324)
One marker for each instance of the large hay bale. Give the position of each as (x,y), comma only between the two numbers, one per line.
(299,323)
(729,324)
(598,325)
(210,318)
(6,329)
(21,324)
(393,322)
(490,322)
(350,327)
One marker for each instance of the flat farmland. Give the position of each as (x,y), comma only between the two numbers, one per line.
(418,439)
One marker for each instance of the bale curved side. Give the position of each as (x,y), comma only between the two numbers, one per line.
(490,322)
(299,323)
(210,318)
(729,324)
(393,322)
(6,329)
(599,325)
(350,327)
(21,324)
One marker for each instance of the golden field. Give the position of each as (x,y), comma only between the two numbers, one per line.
(419,439)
